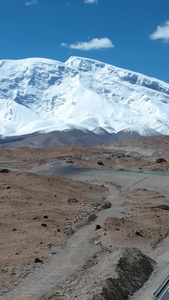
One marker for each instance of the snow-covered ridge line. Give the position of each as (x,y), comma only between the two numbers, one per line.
(123,74)
(39,94)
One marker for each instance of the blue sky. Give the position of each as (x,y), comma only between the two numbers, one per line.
(130,34)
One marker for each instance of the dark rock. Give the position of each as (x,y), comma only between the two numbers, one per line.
(160,160)
(106,205)
(44,225)
(72,200)
(4,171)
(91,218)
(97,227)
(100,163)
(8,187)
(38,260)
(14,229)
(45,217)
(163,206)
(138,233)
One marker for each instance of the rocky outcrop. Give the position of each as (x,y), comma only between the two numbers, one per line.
(111,276)
(133,269)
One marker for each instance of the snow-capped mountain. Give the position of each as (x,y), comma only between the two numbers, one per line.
(45,95)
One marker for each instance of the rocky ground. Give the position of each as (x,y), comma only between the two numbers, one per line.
(39,213)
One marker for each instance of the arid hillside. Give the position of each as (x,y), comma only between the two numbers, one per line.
(108,202)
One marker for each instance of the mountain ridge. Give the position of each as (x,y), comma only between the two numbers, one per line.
(44,95)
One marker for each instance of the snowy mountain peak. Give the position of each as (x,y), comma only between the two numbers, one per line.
(38,94)
(85,65)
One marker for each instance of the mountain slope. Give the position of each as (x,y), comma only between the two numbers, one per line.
(46,95)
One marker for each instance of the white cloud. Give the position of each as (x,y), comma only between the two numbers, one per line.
(162,32)
(90,1)
(32,2)
(64,45)
(94,44)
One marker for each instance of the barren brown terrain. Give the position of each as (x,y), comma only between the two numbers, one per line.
(54,198)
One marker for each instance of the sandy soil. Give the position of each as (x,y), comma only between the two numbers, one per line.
(36,217)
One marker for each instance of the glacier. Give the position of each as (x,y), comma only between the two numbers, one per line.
(43,95)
